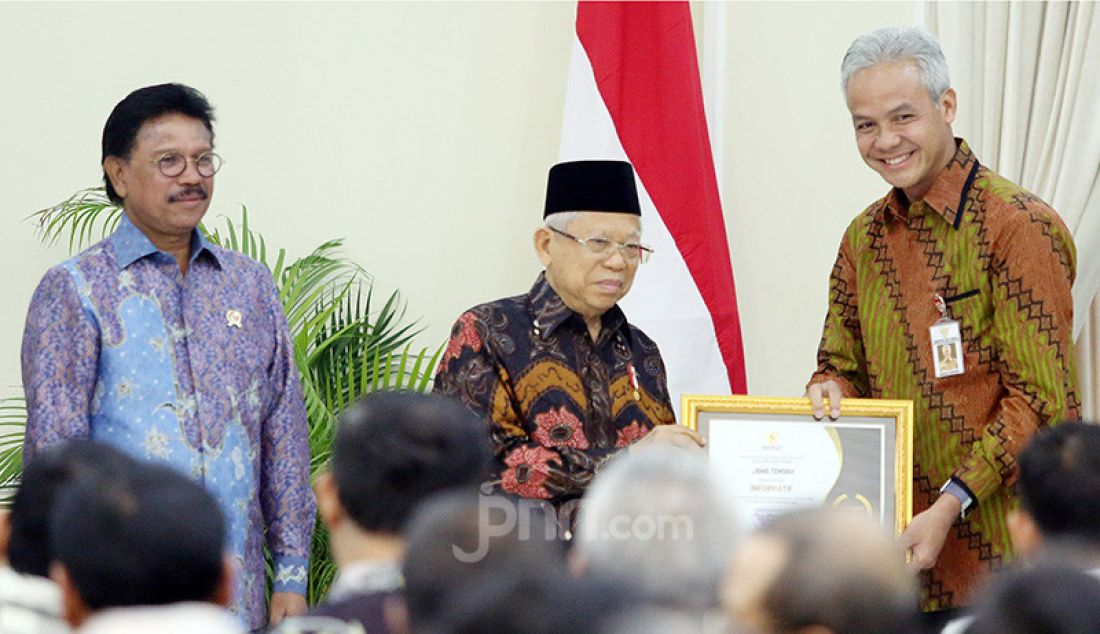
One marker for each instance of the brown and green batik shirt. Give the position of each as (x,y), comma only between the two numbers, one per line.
(1004,262)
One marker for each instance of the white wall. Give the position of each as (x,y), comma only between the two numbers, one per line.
(421,132)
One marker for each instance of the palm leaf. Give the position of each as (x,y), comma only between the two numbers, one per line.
(246,241)
(77,218)
(322,568)
(13,418)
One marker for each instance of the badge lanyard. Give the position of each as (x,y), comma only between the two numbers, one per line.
(946,340)
(945,334)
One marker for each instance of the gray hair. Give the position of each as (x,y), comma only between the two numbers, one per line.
(561,220)
(656,516)
(899,44)
(840,570)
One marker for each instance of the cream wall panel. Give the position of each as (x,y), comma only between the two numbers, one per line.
(793,178)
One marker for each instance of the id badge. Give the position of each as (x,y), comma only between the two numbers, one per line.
(947,351)
(946,340)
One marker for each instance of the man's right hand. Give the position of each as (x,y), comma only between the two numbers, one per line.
(674,435)
(817,394)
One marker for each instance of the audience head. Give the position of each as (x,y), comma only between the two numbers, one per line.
(148,536)
(1059,490)
(1050,600)
(647,618)
(392,451)
(480,563)
(28,538)
(531,599)
(827,569)
(657,517)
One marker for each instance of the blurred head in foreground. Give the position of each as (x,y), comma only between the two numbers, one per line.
(821,570)
(656,517)
(1050,600)
(484,563)
(147,536)
(1059,492)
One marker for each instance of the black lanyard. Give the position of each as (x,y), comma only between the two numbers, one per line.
(965,193)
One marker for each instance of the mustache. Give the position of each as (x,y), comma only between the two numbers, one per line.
(195,190)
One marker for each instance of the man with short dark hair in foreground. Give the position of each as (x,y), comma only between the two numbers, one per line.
(1059,492)
(30,603)
(392,451)
(1046,600)
(1058,520)
(141,551)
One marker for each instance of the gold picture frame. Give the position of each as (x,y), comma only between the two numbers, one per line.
(775,475)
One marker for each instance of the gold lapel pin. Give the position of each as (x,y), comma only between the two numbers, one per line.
(233,318)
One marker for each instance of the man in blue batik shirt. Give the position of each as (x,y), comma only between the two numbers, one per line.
(175,350)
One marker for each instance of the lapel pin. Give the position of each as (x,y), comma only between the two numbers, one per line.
(233,318)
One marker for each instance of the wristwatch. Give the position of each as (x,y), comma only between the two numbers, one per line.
(956,488)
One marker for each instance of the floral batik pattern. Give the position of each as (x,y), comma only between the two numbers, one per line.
(526,472)
(630,434)
(557,404)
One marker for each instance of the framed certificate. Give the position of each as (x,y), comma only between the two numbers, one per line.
(773,457)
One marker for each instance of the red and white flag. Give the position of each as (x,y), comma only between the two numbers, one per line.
(634,94)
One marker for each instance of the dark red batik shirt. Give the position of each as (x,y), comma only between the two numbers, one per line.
(557,403)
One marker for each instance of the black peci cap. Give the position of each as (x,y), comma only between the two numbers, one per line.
(592,186)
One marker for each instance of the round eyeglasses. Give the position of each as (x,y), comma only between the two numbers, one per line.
(173,164)
(632,252)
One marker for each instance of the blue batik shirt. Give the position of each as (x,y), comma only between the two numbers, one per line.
(193,370)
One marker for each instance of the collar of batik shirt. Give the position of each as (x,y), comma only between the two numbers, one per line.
(549,312)
(945,194)
(131,244)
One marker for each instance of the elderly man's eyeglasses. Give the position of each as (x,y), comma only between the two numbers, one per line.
(632,251)
(173,164)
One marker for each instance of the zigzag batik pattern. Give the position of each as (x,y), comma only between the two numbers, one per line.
(933,399)
(840,296)
(1011,297)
